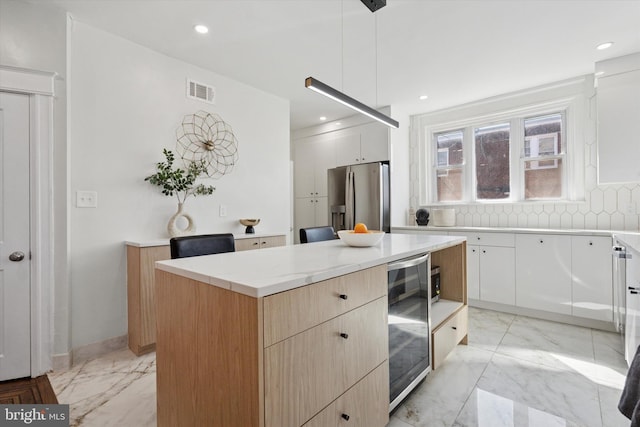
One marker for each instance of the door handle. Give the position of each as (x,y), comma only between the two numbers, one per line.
(16,256)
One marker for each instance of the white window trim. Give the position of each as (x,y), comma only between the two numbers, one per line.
(573,112)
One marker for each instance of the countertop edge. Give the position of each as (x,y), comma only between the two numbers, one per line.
(577,232)
(165,241)
(296,280)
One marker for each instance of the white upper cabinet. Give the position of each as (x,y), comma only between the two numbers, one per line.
(369,144)
(311,162)
(543,272)
(591,285)
(618,100)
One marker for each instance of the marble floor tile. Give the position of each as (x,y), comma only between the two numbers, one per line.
(540,341)
(555,390)
(440,397)
(487,328)
(116,389)
(516,372)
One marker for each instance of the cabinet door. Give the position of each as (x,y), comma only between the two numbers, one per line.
(618,127)
(247,244)
(543,272)
(592,283)
(321,211)
(325,158)
(473,272)
(632,325)
(272,241)
(497,274)
(347,149)
(303,169)
(305,215)
(374,143)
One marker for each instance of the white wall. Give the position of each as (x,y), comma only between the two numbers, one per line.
(400,170)
(125,104)
(34,37)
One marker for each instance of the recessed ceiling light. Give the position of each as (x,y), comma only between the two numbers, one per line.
(423,97)
(202,29)
(323,118)
(338,123)
(604,46)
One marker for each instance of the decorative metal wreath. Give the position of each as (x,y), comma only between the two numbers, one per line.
(206,137)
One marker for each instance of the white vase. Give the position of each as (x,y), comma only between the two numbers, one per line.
(174,230)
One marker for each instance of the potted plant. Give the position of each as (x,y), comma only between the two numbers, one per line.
(181,183)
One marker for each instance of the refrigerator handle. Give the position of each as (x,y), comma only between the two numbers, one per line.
(349,195)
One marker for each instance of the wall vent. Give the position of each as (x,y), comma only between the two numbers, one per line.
(201,91)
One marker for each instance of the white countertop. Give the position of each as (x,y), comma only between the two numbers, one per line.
(165,241)
(577,232)
(277,269)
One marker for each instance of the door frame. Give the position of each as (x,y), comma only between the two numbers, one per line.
(39,85)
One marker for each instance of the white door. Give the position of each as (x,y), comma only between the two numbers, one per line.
(15,312)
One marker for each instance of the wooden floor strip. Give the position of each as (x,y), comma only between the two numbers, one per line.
(27,391)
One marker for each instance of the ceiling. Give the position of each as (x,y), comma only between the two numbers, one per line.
(454,51)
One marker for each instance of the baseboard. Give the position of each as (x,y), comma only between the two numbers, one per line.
(60,362)
(97,349)
(544,315)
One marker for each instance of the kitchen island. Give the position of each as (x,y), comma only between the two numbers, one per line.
(289,336)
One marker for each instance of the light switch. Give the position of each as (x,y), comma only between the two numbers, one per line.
(223,210)
(86,199)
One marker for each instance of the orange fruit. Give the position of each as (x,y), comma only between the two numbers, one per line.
(360,228)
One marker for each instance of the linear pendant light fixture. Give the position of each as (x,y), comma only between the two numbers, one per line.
(328,91)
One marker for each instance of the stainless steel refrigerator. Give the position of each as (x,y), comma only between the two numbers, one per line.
(360,193)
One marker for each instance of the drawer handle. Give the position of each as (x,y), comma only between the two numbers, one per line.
(255,243)
(343,296)
(590,243)
(264,243)
(345,417)
(344,335)
(541,241)
(454,327)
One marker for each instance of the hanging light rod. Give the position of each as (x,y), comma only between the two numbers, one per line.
(328,91)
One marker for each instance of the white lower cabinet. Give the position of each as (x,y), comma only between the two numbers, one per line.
(490,267)
(543,272)
(473,272)
(591,285)
(497,274)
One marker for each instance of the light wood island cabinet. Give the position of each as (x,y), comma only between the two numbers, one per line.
(141,258)
(331,360)
(300,339)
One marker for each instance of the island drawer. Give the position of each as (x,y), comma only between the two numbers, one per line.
(294,311)
(305,373)
(366,404)
(449,334)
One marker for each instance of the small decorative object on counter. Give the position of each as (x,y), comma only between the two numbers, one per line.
(249,223)
(422,217)
(444,217)
(182,184)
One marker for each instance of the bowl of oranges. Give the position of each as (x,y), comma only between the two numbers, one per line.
(361,236)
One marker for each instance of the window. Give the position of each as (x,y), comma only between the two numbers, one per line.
(492,155)
(516,158)
(449,165)
(543,157)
